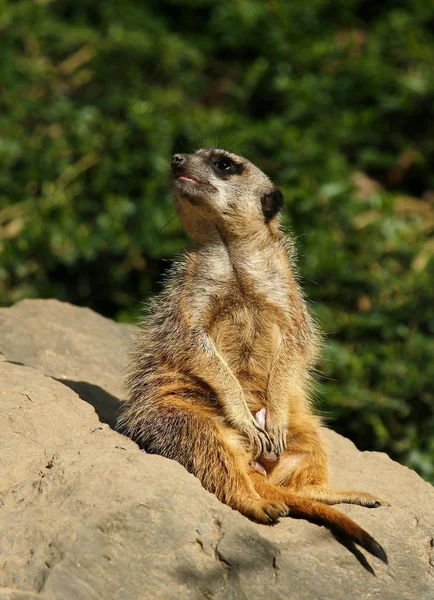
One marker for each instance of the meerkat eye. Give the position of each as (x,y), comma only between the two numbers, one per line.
(224,164)
(224,167)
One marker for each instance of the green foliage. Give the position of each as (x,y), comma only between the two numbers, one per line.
(332,99)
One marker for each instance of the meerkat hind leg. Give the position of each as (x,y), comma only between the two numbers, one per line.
(191,436)
(288,465)
(333,496)
(316,512)
(303,469)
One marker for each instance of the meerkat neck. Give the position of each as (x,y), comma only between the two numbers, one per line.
(247,243)
(247,256)
(238,246)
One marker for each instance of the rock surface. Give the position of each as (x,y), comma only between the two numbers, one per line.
(85,515)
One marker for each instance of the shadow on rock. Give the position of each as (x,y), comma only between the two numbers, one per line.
(228,578)
(351,546)
(106,406)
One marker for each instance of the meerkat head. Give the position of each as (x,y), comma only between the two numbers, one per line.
(218,192)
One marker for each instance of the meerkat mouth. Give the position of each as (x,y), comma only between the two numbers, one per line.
(188,179)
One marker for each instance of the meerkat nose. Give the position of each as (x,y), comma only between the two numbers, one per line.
(178,160)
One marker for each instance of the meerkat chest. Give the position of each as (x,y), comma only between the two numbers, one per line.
(249,318)
(247,329)
(249,309)
(248,334)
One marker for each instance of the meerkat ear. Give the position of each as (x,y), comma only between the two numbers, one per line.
(272,203)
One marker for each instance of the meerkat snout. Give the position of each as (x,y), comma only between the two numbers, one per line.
(178,160)
(185,169)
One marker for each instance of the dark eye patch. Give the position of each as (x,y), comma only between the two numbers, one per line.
(224,166)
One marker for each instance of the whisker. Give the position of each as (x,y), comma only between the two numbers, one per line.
(175,214)
(236,143)
(215,138)
(199,138)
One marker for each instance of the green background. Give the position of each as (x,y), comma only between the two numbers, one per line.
(333,99)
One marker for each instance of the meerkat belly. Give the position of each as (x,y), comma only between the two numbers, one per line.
(249,342)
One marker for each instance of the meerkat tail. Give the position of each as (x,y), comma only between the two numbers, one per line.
(321,514)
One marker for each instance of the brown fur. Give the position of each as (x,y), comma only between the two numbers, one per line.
(229,335)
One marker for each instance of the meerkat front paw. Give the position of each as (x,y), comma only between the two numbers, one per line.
(257,438)
(278,439)
(277,430)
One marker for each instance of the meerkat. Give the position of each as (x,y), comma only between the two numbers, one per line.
(220,372)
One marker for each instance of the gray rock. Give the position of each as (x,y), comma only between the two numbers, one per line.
(84,514)
(76,345)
